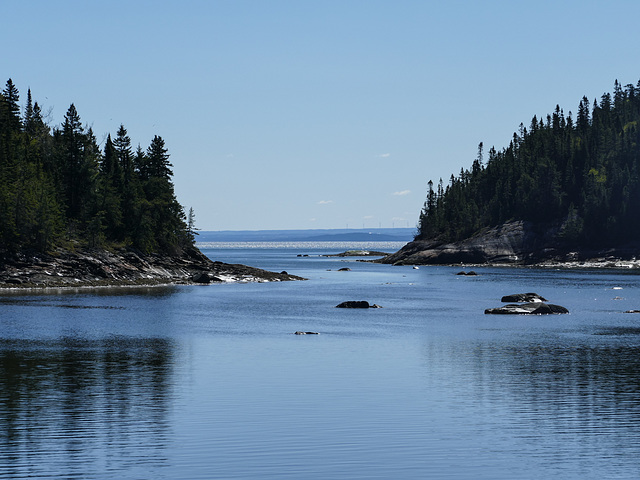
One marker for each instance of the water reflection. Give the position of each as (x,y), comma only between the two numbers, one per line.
(572,404)
(76,406)
(598,378)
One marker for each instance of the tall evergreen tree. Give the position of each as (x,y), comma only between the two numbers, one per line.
(71,161)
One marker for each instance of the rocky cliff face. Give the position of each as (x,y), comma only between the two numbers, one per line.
(92,267)
(512,243)
(504,244)
(515,243)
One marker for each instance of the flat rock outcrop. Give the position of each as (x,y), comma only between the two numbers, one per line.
(358,253)
(95,267)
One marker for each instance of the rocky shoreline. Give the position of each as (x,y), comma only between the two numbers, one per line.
(514,244)
(90,268)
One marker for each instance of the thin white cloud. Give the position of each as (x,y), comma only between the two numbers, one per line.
(325,202)
(384,155)
(368,217)
(402,193)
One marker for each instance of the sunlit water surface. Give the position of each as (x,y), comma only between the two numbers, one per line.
(210,382)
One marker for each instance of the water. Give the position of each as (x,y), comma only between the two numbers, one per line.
(209,382)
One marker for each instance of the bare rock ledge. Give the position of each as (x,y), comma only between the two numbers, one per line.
(124,267)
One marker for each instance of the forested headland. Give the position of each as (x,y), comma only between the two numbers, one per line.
(584,173)
(58,186)
(77,213)
(573,182)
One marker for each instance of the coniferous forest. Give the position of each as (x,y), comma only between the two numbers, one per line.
(58,187)
(579,176)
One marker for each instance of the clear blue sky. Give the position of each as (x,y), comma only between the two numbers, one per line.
(315,114)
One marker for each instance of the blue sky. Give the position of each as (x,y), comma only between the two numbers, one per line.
(316,114)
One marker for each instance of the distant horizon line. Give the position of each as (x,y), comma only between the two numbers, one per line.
(308,229)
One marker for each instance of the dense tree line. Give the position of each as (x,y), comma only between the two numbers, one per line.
(58,187)
(580,176)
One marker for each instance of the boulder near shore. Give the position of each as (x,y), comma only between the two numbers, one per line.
(529,304)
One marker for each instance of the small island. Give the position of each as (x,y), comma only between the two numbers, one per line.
(564,192)
(358,253)
(75,214)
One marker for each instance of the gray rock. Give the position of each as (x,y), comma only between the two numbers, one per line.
(505,244)
(533,308)
(201,278)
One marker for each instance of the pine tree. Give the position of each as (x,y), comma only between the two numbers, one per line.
(71,160)
(129,188)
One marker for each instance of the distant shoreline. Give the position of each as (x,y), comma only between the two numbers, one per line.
(404,235)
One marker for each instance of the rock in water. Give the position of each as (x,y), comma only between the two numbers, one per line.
(532,308)
(523,297)
(354,304)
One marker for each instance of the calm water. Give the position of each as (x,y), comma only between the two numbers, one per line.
(209,382)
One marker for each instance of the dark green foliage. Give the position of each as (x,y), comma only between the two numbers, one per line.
(57,186)
(583,177)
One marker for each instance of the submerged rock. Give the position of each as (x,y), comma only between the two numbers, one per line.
(532,308)
(306,333)
(523,297)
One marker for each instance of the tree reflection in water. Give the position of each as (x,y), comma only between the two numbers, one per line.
(73,403)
